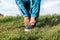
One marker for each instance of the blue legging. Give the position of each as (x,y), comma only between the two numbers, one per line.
(29,8)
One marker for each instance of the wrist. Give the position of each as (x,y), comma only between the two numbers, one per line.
(32,17)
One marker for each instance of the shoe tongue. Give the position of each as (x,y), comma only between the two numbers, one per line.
(31,25)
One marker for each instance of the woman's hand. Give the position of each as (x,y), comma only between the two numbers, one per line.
(26,20)
(32,21)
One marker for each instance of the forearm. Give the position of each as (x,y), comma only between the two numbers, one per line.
(35,8)
(21,7)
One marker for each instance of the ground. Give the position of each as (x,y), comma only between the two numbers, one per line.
(47,28)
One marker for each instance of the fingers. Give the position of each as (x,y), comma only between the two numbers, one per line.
(26,21)
(32,21)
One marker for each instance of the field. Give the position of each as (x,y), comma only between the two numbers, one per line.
(47,28)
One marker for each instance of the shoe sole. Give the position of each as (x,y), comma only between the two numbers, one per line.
(27,30)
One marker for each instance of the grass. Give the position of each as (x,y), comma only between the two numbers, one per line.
(47,28)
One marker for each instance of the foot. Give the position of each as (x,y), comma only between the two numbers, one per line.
(29,27)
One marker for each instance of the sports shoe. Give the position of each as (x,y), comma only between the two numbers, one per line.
(29,27)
